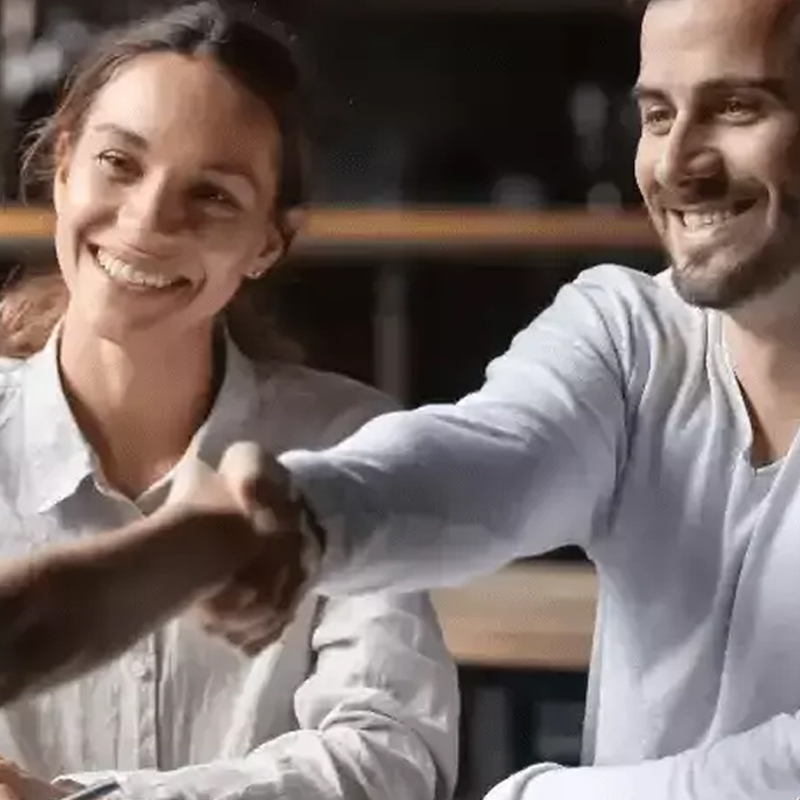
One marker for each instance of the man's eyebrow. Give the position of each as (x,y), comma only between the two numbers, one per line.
(641,92)
(775,86)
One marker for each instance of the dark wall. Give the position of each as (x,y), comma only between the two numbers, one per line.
(423,107)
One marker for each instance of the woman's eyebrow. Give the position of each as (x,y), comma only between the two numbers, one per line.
(136,139)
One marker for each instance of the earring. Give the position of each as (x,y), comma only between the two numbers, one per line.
(255,274)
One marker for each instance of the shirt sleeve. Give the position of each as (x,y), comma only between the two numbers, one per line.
(378,718)
(527,463)
(762,763)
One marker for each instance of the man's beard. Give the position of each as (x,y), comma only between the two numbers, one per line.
(757,274)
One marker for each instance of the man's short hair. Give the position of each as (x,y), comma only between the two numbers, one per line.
(637,6)
(789,15)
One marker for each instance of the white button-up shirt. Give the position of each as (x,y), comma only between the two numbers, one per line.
(357,700)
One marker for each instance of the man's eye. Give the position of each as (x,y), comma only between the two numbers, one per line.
(738,109)
(656,119)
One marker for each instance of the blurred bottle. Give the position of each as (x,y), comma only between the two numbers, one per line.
(518,191)
(592,124)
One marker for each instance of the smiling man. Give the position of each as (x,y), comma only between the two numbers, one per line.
(719,93)
(652,421)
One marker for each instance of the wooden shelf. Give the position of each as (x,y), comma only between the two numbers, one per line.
(472,229)
(488,6)
(27,225)
(412,231)
(537,615)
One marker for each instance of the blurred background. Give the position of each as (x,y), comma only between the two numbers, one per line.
(469,158)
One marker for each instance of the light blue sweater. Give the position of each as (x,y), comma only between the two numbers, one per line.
(613,422)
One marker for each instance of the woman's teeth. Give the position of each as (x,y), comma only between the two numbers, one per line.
(120,270)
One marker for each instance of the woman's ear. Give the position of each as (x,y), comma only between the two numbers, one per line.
(293,221)
(62,153)
(277,243)
(273,249)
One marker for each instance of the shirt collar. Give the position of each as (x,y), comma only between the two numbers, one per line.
(56,457)
(235,409)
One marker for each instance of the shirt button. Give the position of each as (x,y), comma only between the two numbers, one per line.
(141,670)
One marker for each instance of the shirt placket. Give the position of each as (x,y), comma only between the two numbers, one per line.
(143,666)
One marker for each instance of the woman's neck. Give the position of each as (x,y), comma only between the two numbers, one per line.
(138,406)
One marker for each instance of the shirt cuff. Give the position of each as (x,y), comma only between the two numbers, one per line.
(76,781)
(520,785)
(68,783)
(310,477)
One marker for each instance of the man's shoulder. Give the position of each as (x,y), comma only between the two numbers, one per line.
(641,319)
(639,300)
(636,286)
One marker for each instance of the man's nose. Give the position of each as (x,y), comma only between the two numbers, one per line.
(688,154)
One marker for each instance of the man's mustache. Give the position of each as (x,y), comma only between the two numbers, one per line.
(719,190)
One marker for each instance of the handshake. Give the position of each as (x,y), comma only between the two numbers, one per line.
(232,547)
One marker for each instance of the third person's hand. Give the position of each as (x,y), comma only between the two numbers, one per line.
(252,609)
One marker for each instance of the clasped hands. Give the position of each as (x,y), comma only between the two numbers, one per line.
(231,547)
(231,543)
(253,605)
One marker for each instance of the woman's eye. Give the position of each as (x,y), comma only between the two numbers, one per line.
(116,163)
(216,196)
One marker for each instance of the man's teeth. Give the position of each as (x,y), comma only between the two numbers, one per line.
(693,220)
(122,271)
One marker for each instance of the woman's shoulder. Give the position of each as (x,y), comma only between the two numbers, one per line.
(326,405)
(10,375)
(297,382)
(10,384)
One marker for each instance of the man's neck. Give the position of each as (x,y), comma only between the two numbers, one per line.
(137,406)
(766,360)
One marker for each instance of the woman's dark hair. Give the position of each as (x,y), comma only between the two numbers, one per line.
(257,52)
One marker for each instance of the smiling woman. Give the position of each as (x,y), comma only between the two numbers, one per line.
(175,165)
(267,82)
